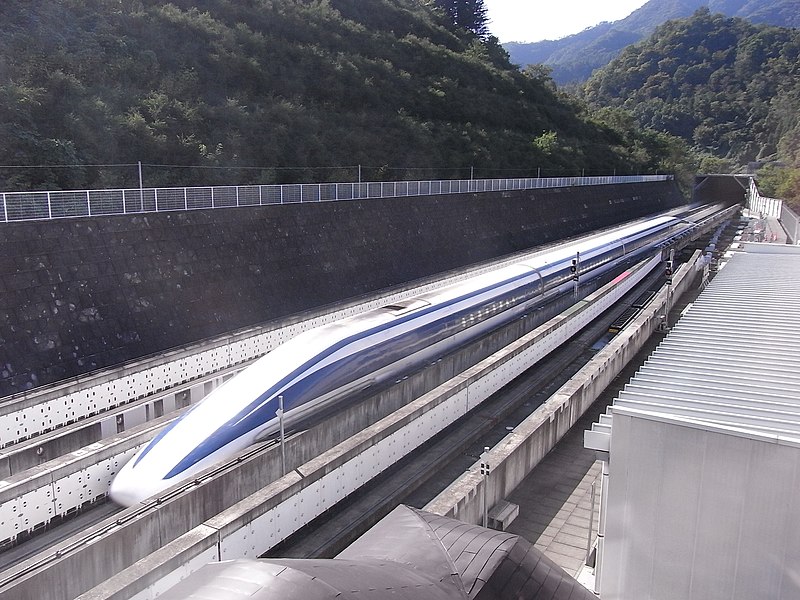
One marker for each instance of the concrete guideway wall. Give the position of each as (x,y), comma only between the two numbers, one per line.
(62,440)
(514,457)
(30,499)
(252,525)
(79,295)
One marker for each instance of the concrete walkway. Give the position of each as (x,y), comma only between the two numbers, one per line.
(775,233)
(555,500)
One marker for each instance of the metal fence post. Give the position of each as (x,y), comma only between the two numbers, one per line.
(283,438)
(485,473)
(49,205)
(591,524)
(88,204)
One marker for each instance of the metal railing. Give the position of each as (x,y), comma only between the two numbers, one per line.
(774,207)
(28,206)
(768,207)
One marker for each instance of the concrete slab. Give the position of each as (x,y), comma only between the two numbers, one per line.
(552,499)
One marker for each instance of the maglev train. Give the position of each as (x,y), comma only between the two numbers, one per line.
(319,367)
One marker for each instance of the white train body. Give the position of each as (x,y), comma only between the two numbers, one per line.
(327,364)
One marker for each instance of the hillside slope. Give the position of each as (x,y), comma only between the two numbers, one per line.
(574,57)
(724,85)
(289,85)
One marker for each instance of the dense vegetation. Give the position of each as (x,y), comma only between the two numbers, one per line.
(575,57)
(727,87)
(298,87)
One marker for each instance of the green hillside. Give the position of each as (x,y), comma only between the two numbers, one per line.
(575,57)
(722,84)
(287,84)
(729,88)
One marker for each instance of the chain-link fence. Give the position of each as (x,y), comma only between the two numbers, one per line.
(25,206)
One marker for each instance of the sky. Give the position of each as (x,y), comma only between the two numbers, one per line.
(535,20)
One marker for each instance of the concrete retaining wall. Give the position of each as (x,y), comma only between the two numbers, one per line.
(77,295)
(521,450)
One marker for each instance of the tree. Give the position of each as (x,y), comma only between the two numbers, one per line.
(467,14)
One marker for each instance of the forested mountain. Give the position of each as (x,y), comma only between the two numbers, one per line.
(574,57)
(726,86)
(389,84)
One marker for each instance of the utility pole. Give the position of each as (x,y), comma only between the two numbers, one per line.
(485,472)
(141,188)
(668,272)
(575,269)
(283,439)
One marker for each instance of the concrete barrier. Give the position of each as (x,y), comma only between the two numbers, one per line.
(514,457)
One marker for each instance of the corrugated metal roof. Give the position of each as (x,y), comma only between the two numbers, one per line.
(733,359)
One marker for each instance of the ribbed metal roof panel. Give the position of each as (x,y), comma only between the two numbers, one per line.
(733,359)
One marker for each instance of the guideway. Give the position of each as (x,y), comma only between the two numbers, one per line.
(259,521)
(50,467)
(514,457)
(250,527)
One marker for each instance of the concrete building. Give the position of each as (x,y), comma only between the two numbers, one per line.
(700,498)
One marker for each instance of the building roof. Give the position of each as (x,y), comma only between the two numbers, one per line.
(732,361)
(409,555)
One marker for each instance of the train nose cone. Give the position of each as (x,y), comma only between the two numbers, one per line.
(133,485)
(123,495)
